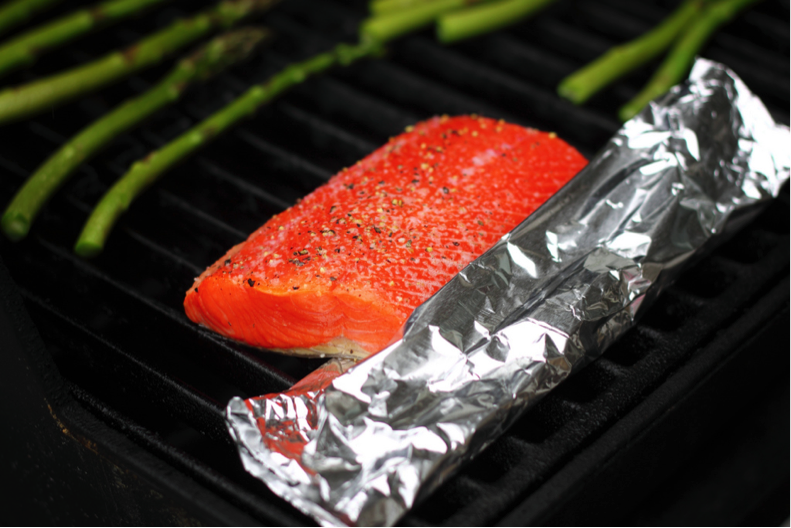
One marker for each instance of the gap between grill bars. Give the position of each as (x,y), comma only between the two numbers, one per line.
(129,357)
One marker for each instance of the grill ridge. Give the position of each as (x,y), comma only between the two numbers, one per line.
(130,357)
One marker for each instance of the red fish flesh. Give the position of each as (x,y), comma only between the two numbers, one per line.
(339,273)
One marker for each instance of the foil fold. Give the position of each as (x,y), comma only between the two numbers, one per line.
(543,302)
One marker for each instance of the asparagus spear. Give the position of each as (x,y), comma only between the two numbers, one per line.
(582,84)
(24,49)
(477,20)
(682,55)
(381,7)
(220,53)
(394,24)
(17,12)
(23,101)
(144,172)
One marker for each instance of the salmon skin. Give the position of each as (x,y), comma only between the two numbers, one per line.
(339,273)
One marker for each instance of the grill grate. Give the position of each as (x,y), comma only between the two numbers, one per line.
(115,326)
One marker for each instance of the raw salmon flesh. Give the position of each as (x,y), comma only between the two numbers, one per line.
(339,273)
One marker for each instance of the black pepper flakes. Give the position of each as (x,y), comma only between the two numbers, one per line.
(251,282)
(295,287)
(333,279)
(227,262)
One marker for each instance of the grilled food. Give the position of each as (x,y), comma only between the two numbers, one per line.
(339,273)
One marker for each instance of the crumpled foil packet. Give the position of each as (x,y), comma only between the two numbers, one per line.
(546,300)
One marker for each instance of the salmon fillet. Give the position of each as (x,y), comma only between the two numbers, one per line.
(339,273)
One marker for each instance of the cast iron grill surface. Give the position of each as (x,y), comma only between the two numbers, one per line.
(115,325)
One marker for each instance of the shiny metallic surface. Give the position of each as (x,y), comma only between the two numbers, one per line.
(547,299)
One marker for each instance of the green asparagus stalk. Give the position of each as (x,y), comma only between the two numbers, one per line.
(381,7)
(210,59)
(24,49)
(477,20)
(682,55)
(144,172)
(17,12)
(394,24)
(23,101)
(582,84)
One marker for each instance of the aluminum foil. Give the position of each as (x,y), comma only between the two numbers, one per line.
(547,299)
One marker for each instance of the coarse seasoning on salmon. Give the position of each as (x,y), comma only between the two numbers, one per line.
(339,273)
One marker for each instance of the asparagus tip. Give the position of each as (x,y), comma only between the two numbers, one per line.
(15,225)
(88,248)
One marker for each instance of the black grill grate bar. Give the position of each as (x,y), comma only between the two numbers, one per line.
(172,209)
(258,501)
(330,132)
(153,247)
(341,99)
(753,53)
(169,199)
(534,103)
(447,94)
(722,47)
(653,14)
(325,16)
(775,28)
(610,367)
(401,85)
(478,71)
(520,58)
(304,40)
(685,296)
(171,206)
(763,69)
(421,95)
(238,367)
(104,359)
(245,187)
(12,167)
(376,113)
(729,265)
(614,23)
(155,136)
(45,132)
(318,174)
(569,41)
